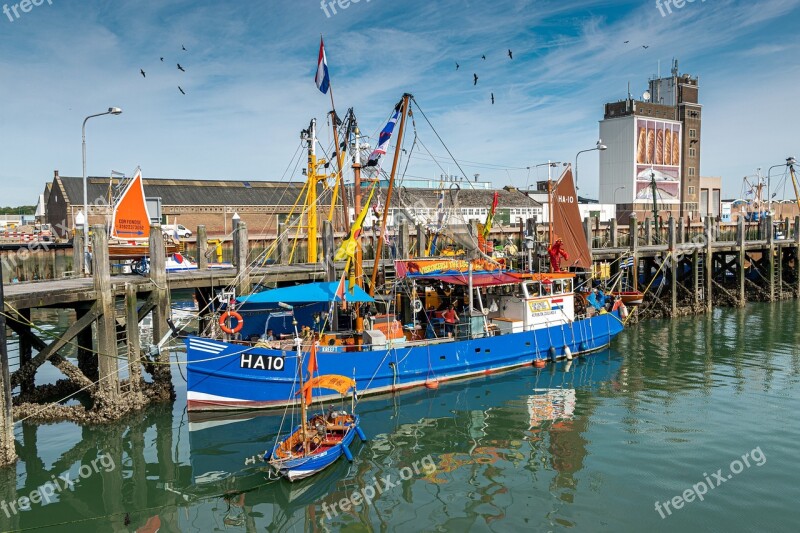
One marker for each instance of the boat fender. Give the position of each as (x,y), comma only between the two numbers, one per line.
(268,455)
(552,353)
(568,353)
(347,453)
(360,433)
(432,384)
(583,347)
(538,363)
(223,322)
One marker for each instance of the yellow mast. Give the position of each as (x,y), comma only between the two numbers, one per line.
(311,194)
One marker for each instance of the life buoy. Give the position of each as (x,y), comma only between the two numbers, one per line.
(417,305)
(223,322)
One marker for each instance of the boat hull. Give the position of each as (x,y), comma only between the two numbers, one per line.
(224,375)
(303,467)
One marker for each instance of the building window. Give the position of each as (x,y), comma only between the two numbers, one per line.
(692,152)
(691,191)
(692,133)
(691,171)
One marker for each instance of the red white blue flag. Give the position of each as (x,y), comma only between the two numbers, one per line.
(322,78)
(384,138)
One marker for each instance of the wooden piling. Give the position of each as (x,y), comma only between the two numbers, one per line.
(587,230)
(708,264)
(107,353)
(614,233)
(283,244)
(422,244)
(161,299)
(648,232)
(202,248)
(673,265)
(633,232)
(741,258)
(403,241)
(770,234)
(8,454)
(27,383)
(78,258)
(681,231)
(132,337)
(240,257)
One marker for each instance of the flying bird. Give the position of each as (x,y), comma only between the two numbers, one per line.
(645,46)
(457,66)
(510,55)
(143,74)
(492,98)
(180,68)
(484,57)
(181,90)
(626,42)
(184,48)
(475,82)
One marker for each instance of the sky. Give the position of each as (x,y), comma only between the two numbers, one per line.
(249,68)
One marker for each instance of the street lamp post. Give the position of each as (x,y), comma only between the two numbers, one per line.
(789,162)
(111,111)
(614,196)
(600,146)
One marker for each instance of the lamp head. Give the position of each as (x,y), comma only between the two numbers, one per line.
(114,110)
(600,145)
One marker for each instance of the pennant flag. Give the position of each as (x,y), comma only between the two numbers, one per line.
(340,289)
(312,367)
(322,78)
(487,227)
(348,247)
(384,138)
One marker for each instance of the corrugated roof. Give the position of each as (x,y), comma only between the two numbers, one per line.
(482,198)
(194,192)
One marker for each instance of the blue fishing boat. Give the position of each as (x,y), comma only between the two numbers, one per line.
(440,319)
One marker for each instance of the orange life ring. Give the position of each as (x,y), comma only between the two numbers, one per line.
(223,319)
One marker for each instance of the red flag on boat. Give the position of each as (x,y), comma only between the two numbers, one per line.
(340,289)
(312,368)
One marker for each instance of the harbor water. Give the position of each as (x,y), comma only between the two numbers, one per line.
(686,425)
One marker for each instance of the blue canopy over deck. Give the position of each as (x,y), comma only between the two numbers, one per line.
(307,293)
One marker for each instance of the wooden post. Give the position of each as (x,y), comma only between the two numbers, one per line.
(673,276)
(132,337)
(25,349)
(741,257)
(697,290)
(283,244)
(107,353)
(78,259)
(797,254)
(614,233)
(708,264)
(422,244)
(403,239)
(587,230)
(240,254)
(8,454)
(202,248)
(158,276)
(681,231)
(633,229)
(770,254)
(648,232)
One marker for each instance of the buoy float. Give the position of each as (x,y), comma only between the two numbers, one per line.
(223,322)
(552,352)
(568,353)
(583,347)
(360,433)
(433,384)
(538,363)
(347,453)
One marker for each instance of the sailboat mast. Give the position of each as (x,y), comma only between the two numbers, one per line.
(311,195)
(398,147)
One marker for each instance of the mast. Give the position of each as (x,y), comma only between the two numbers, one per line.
(655,192)
(358,267)
(790,162)
(311,194)
(340,166)
(398,147)
(549,210)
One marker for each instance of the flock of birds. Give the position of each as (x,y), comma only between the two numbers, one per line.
(475,75)
(144,74)
(511,56)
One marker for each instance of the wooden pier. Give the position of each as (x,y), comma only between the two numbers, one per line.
(688,270)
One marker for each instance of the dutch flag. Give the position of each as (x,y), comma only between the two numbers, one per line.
(322,78)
